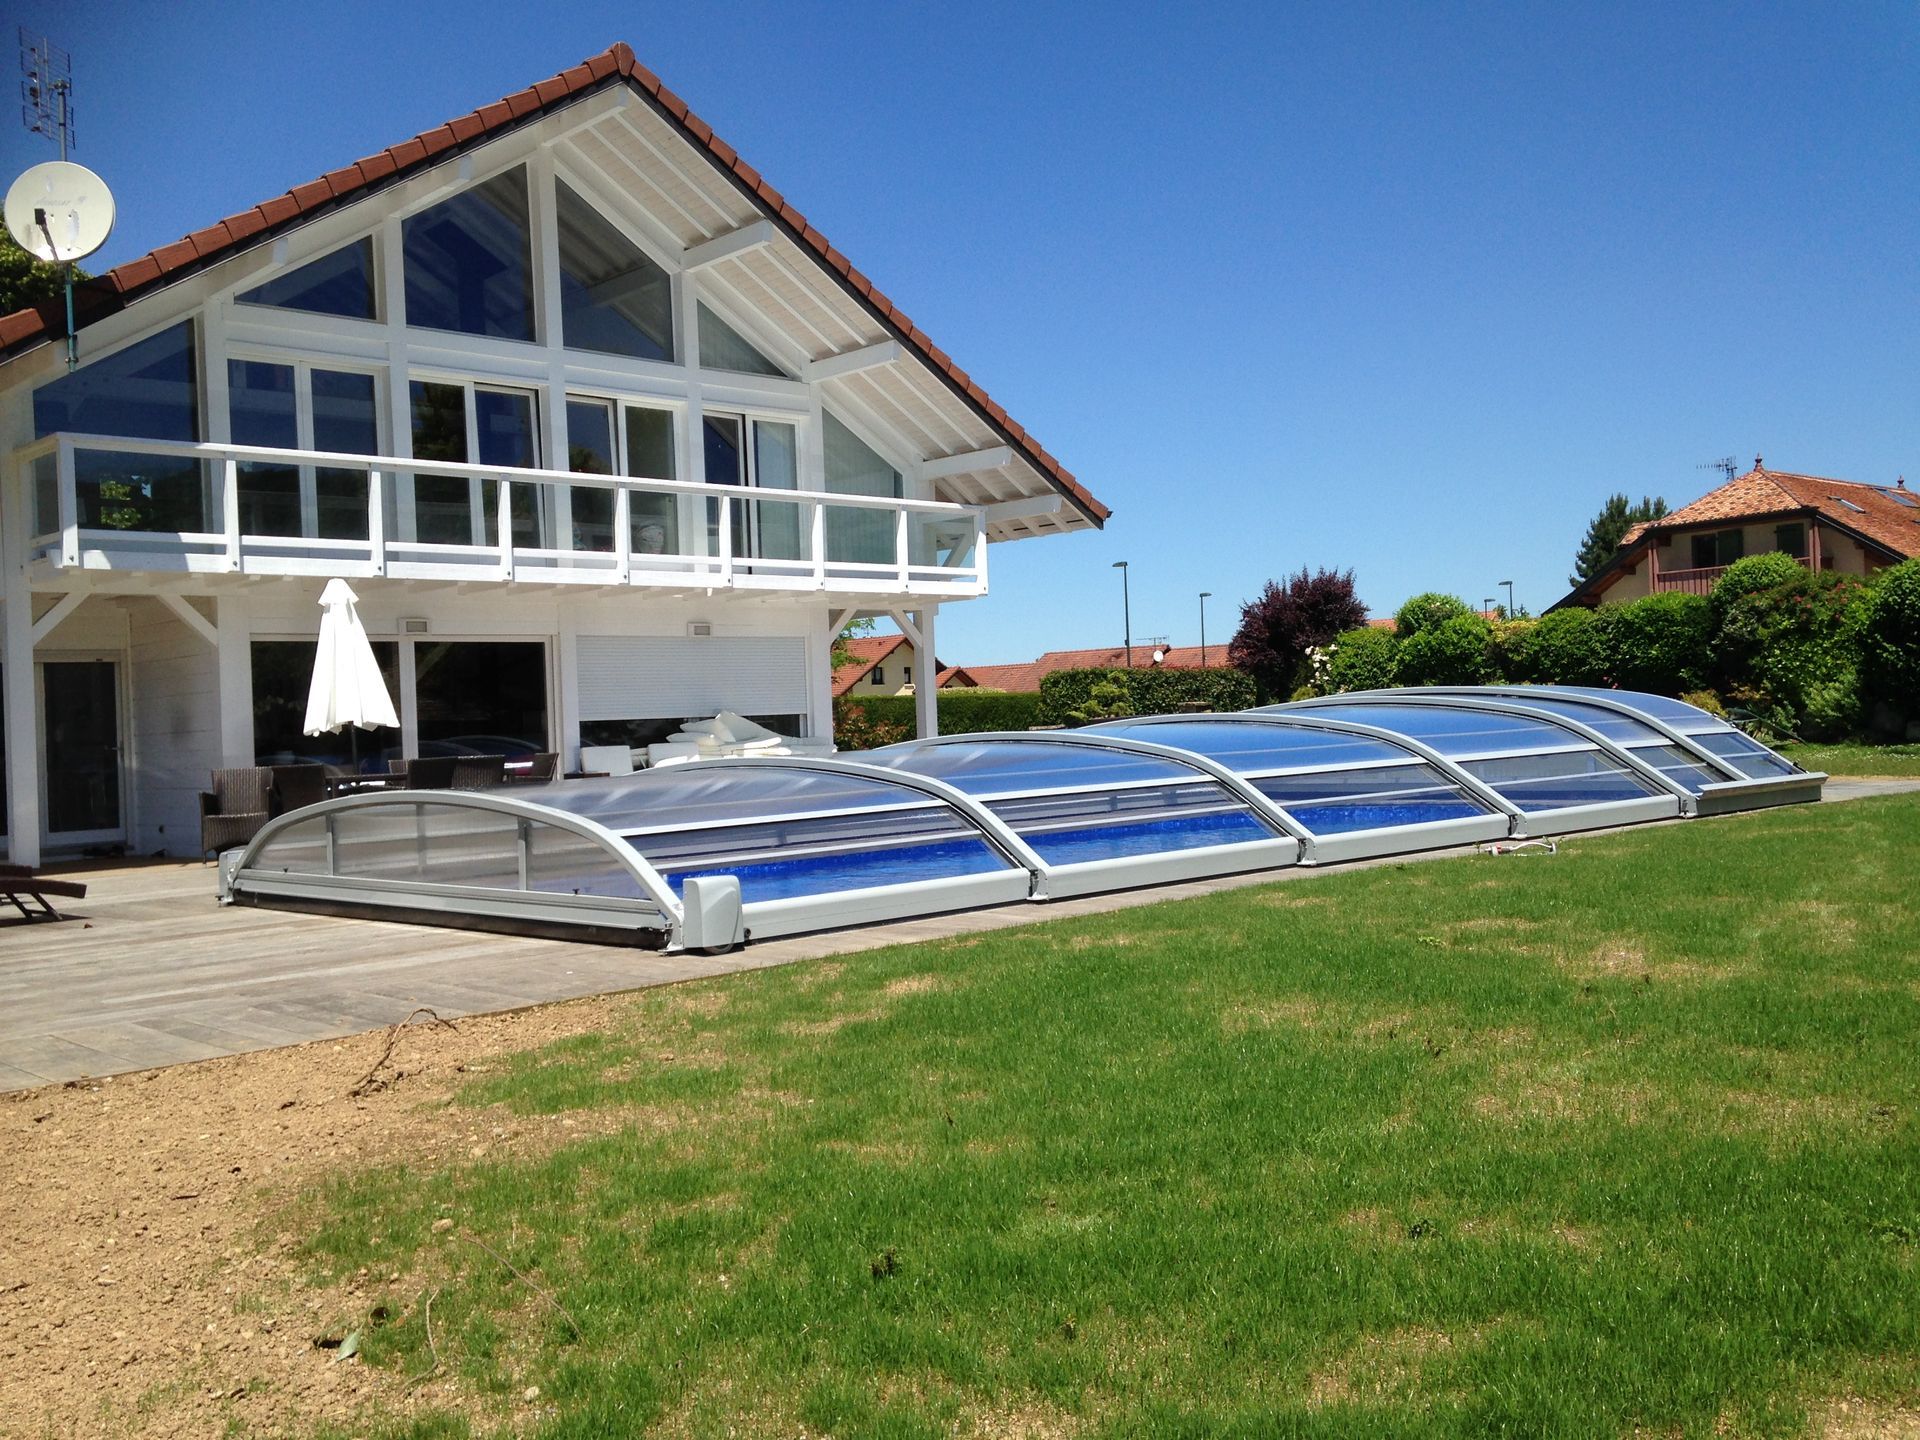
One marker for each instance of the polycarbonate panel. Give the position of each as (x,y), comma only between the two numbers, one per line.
(1385,797)
(433,844)
(1000,767)
(749,842)
(563,862)
(1745,754)
(1559,781)
(793,878)
(1453,731)
(1149,820)
(1249,746)
(300,849)
(1679,765)
(1664,708)
(684,795)
(1620,728)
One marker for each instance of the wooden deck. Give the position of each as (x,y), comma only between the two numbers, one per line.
(153,971)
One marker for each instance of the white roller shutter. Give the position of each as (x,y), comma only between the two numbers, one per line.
(648,677)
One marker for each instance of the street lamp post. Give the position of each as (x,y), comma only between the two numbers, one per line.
(1126,609)
(1486,607)
(1511,612)
(1205,595)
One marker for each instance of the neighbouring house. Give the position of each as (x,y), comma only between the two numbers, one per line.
(1844,526)
(888,665)
(604,434)
(1027,676)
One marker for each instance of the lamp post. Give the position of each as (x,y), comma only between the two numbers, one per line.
(1486,607)
(1510,610)
(1126,609)
(1205,595)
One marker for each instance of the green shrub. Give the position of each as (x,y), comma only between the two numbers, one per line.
(1746,577)
(1159,691)
(1107,699)
(1707,700)
(1565,647)
(1362,660)
(1659,643)
(1889,646)
(865,721)
(1427,612)
(1510,648)
(1786,653)
(1456,652)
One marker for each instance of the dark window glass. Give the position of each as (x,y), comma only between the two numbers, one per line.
(282,675)
(338,283)
(481,697)
(613,298)
(82,725)
(260,410)
(1733,545)
(506,423)
(150,390)
(724,348)
(655,518)
(469,261)
(590,452)
(346,421)
(1791,539)
(442,504)
(1706,552)
(863,536)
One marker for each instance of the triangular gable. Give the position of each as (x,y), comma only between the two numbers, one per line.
(125,284)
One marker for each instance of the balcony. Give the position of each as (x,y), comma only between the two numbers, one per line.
(1689,582)
(102,503)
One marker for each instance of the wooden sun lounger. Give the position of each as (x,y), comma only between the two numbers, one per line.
(18,885)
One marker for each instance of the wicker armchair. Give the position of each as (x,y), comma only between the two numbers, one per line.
(232,813)
(478,772)
(426,772)
(297,786)
(535,769)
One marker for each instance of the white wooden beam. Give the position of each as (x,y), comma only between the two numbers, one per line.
(852,362)
(1031,508)
(725,247)
(195,621)
(967,462)
(62,608)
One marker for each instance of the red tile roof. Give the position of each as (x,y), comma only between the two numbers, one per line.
(106,294)
(867,651)
(1028,676)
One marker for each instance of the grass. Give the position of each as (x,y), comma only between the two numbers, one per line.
(1901,760)
(1619,1139)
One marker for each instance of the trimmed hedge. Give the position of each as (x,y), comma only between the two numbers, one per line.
(1361,660)
(1889,634)
(1428,611)
(1660,643)
(962,712)
(1159,691)
(1566,647)
(1457,651)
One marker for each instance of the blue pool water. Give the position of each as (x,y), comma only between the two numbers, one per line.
(1152,837)
(859,870)
(1338,817)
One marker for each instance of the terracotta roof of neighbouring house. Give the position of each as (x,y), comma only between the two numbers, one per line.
(867,651)
(955,675)
(121,286)
(1874,514)
(1028,675)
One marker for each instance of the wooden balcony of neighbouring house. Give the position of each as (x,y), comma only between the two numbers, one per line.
(1697,581)
(104,503)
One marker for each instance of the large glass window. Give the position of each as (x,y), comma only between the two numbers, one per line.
(861,536)
(469,261)
(655,518)
(762,454)
(150,390)
(504,430)
(590,451)
(262,411)
(724,348)
(481,697)
(442,505)
(507,421)
(282,675)
(338,283)
(346,421)
(613,298)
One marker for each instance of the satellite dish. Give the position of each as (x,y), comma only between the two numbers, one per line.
(60,211)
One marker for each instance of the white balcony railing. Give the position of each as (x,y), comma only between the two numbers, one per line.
(107,503)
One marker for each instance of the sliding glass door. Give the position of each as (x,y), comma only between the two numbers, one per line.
(754,454)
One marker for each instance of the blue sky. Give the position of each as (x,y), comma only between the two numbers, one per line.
(1406,289)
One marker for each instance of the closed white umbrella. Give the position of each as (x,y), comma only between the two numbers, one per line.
(347,685)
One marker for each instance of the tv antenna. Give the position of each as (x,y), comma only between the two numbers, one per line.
(1726,465)
(58,211)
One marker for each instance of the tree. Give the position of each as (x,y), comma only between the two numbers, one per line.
(1427,611)
(24,280)
(1279,624)
(1609,527)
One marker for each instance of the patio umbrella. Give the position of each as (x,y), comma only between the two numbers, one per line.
(347,686)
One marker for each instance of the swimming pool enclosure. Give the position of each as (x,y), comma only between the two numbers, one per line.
(716,852)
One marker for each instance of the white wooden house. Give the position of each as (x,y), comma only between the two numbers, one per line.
(602,431)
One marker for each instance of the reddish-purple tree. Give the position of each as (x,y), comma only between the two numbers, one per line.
(1278,625)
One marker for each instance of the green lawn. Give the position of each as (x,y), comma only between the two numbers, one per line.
(1622,1138)
(1901,760)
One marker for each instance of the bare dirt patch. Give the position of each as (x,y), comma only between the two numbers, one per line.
(134,1299)
(1856,1419)
(1297,1011)
(916,984)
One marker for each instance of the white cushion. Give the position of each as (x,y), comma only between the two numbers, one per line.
(606,759)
